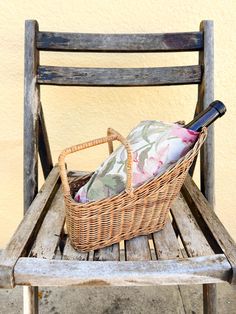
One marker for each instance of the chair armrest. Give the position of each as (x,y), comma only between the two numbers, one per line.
(204,214)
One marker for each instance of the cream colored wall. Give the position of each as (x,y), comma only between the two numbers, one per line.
(78,114)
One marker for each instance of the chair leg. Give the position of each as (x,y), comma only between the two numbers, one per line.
(30,297)
(209,299)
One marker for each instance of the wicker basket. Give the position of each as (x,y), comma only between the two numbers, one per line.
(133,212)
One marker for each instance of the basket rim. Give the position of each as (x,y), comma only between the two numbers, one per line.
(193,151)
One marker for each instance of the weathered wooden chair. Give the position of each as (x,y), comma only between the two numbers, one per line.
(40,254)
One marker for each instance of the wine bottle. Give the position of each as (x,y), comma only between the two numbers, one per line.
(206,117)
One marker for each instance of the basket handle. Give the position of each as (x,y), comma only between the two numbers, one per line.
(112,135)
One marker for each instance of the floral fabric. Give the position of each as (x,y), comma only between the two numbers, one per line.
(156,146)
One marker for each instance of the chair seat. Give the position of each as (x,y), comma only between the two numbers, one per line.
(194,247)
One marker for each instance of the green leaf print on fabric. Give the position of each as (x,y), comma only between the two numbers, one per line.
(109,165)
(108,185)
(143,157)
(156,145)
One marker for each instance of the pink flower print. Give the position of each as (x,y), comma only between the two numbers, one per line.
(154,163)
(161,158)
(81,195)
(192,132)
(187,136)
(139,178)
(77,198)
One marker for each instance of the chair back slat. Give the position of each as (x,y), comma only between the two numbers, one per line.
(166,42)
(51,75)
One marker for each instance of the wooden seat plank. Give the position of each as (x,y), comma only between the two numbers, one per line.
(191,235)
(110,253)
(194,241)
(69,253)
(48,237)
(195,244)
(137,249)
(167,247)
(166,243)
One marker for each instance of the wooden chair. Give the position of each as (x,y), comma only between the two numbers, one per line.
(40,254)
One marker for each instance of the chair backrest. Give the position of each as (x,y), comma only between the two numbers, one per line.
(119,43)
(35,136)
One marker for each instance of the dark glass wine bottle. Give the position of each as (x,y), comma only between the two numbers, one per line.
(206,117)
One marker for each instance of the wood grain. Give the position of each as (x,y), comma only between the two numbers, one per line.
(21,240)
(42,272)
(210,299)
(109,253)
(193,240)
(69,253)
(207,156)
(119,76)
(167,247)
(137,249)
(47,240)
(30,300)
(191,235)
(206,96)
(31,108)
(166,243)
(204,213)
(189,41)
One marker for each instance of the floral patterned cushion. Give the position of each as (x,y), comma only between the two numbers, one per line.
(156,146)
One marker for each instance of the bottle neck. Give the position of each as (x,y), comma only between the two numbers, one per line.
(207,117)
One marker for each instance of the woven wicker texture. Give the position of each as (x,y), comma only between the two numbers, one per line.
(134,212)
